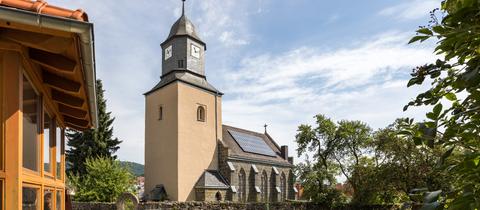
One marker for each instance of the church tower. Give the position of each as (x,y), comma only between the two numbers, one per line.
(182,116)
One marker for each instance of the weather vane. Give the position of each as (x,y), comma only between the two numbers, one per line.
(265,127)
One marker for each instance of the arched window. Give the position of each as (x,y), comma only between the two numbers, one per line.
(242,185)
(218,196)
(264,187)
(283,187)
(201,114)
(160,112)
(273,194)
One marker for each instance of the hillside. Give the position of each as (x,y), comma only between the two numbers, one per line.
(136,169)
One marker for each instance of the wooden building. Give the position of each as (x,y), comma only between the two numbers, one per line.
(47,83)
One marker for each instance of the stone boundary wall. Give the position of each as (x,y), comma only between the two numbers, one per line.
(232,206)
(93,206)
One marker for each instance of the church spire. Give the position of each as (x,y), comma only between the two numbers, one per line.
(183,7)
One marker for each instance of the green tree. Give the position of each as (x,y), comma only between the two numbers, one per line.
(104,181)
(455,97)
(335,147)
(92,143)
(397,167)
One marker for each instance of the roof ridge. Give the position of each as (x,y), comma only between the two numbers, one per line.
(243,129)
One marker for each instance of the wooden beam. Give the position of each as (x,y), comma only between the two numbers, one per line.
(79,128)
(67,99)
(75,121)
(72,112)
(49,43)
(53,61)
(60,82)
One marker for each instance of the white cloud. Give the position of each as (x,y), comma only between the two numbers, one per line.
(410,10)
(364,82)
(284,90)
(225,23)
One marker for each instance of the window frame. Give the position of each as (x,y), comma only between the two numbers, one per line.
(2,141)
(62,198)
(51,142)
(39,128)
(53,192)
(39,197)
(2,194)
(202,109)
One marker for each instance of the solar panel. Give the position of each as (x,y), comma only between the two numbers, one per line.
(252,144)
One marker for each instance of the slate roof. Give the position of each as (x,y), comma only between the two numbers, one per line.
(183,27)
(212,179)
(186,77)
(237,152)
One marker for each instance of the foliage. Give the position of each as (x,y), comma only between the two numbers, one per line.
(455,97)
(396,168)
(319,185)
(92,143)
(335,147)
(381,167)
(136,169)
(104,181)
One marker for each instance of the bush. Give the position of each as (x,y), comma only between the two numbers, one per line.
(104,181)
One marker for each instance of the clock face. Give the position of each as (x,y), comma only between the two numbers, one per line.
(195,51)
(168,52)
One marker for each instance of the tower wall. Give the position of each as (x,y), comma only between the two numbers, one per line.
(197,140)
(179,51)
(161,147)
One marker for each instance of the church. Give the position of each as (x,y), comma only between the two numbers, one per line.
(189,154)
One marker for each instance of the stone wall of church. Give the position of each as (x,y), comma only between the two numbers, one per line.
(253,179)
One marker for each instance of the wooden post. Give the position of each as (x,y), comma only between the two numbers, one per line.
(12,76)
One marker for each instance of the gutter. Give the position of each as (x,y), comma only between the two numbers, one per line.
(264,162)
(84,31)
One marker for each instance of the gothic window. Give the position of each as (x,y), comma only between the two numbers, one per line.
(160,112)
(201,114)
(273,187)
(283,187)
(264,187)
(242,186)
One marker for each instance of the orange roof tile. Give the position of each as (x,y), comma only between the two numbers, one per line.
(42,7)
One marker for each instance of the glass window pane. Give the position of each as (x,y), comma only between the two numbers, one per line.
(30,104)
(59,145)
(59,200)
(47,142)
(30,199)
(48,200)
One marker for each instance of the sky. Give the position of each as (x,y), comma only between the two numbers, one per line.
(279,62)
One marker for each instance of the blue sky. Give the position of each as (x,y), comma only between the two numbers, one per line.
(278,62)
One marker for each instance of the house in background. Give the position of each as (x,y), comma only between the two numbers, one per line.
(47,83)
